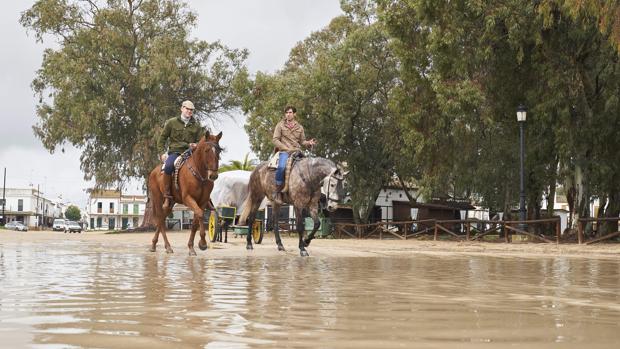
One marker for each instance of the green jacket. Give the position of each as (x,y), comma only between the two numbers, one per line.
(178,135)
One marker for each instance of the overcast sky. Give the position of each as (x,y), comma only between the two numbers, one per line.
(267,28)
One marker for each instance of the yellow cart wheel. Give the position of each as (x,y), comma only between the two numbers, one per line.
(257,232)
(213,226)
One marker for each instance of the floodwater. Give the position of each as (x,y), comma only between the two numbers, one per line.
(82,294)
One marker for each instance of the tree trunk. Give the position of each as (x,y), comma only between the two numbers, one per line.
(612,210)
(147,221)
(551,199)
(411,199)
(553,182)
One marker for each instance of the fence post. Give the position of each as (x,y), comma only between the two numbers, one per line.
(579,232)
(467,228)
(435,237)
(558,228)
(506,233)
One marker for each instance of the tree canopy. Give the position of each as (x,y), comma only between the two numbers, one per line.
(339,79)
(428,91)
(244,165)
(73,213)
(120,69)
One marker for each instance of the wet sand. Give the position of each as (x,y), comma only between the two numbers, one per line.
(325,247)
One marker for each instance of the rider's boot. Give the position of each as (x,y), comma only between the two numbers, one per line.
(167,194)
(277,194)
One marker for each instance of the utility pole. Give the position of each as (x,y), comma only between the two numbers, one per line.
(38,218)
(3,198)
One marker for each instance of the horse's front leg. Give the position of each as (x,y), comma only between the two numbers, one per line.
(314,213)
(198,222)
(202,244)
(300,230)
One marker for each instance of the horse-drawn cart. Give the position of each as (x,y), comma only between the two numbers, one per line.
(229,192)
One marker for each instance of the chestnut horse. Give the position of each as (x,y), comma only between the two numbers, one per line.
(196,178)
(306,178)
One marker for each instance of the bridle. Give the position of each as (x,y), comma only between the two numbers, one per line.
(329,192)
(195,172)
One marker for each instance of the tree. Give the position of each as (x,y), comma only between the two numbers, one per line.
(122,67)
(73,213)
(245,165)
(465,68)
(340,80)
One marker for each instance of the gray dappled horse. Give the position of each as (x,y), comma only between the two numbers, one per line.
(304,191)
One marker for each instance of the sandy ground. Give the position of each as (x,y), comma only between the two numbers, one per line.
(319,247)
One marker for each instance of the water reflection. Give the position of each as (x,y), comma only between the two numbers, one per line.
(83,295)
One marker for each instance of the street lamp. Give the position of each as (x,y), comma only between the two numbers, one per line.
(521,116)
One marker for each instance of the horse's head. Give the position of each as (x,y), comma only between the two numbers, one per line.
(208,152)
(334,189)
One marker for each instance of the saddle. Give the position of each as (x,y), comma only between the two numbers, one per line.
(178,163)
(290,162)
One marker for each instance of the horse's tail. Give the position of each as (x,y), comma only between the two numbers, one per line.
(245,212)
(252,197)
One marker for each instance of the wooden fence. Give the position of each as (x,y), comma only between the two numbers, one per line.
(547,230)
(581,223)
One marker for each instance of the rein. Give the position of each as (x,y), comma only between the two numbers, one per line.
(195,172)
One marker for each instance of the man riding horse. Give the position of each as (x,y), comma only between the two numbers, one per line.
(180,133)
(288,137)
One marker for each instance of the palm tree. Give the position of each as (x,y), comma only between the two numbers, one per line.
(245,165)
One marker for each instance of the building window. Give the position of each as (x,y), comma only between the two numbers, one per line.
(111,207)
(125,208)
(99,207)
(20,204)
(99,222)
(135,208)
(92,223)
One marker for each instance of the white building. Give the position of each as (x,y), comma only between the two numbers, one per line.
(30,207)
(110,209)
(394,202)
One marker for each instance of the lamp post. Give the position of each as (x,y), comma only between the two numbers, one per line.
(521,116)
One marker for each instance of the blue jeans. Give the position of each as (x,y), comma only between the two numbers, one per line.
(281,167)
(169,164)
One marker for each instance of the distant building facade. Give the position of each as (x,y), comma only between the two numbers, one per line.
(30,207)
(110,210)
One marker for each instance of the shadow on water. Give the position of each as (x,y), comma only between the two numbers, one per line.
(68,294)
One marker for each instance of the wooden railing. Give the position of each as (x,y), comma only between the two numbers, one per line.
(581,222)
(549,230)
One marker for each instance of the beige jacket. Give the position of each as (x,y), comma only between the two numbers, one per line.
(288,139)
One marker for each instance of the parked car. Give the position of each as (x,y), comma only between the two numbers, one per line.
(15,225)
(73,227)
(59,224)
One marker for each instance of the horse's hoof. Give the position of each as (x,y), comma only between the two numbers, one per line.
(152,249)
(249,247)
(192,252)
(303,253)
(202,247)
(169,250)
(281,248)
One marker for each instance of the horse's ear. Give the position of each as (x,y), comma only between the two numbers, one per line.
(219,135)
(207,134)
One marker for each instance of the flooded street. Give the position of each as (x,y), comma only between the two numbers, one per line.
(67,292)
